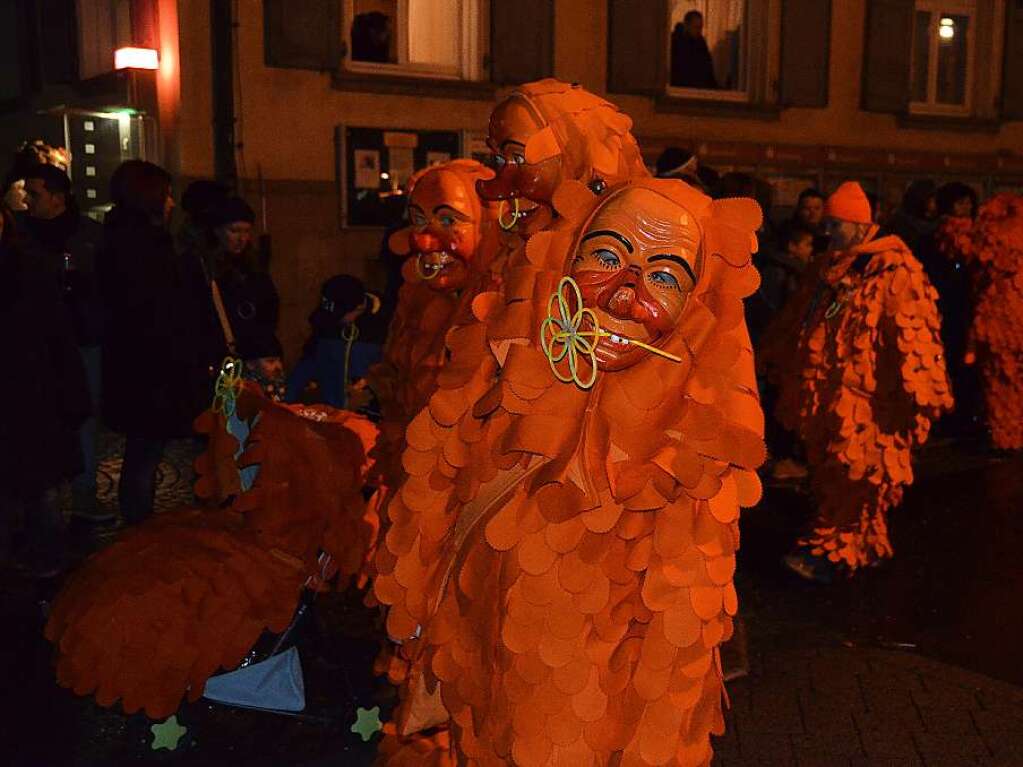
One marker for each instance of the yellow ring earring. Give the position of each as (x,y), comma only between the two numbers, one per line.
(515,215)
(419,269)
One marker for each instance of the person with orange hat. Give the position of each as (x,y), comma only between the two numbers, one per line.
(871,381)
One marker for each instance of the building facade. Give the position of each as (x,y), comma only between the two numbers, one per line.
(320,108)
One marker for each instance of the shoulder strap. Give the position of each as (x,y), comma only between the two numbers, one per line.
(225,323)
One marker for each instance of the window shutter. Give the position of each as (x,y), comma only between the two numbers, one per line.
(637,42)
(521,41)
(805,44)
(302,34)
(1012,74)
(886,58)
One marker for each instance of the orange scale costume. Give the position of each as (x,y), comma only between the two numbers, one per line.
(992,246)
(548,132)
(542,134)
(453,249)
(150,618)
(872,381)
(560,563)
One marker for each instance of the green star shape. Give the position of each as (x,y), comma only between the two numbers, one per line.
(367,722)
(167,734)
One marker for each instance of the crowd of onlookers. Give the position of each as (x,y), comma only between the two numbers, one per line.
(127,322)
(788,246)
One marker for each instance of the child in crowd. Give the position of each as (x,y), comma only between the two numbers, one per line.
(334,356)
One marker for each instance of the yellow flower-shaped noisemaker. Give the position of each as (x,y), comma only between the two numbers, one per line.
(229,383)
(575,332)
(564,337)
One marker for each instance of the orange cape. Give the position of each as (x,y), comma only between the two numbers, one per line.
(565,557)
(154,615)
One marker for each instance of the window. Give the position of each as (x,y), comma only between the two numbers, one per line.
(708,49)
(941,72)
(423,38)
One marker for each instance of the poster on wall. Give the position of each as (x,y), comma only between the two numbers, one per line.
(374,164)
(367,169)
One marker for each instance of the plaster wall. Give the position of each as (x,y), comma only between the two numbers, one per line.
(287,120)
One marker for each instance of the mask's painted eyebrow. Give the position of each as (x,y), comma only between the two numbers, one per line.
(511,144)
(678,260)
(448,209)
(609,233)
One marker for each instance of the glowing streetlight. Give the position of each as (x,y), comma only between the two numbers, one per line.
(136,58)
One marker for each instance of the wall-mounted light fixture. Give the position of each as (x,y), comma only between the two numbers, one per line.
(947,28)
(136,58)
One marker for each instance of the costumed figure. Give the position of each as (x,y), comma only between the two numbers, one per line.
(450,247)
(547,132)
(560,562)
(871,375)
(152,617)
(992,247)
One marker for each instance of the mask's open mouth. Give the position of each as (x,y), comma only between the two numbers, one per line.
(432,265)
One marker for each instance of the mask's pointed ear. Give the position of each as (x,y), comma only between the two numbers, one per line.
(739,213)
(398,242)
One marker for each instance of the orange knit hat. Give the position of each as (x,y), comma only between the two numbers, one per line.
(849,203)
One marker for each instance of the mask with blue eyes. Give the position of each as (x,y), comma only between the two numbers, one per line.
(636,263)
(444,228)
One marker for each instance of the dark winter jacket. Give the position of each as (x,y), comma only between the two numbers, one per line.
(161,350)
(252,307)
(67,247)
(42,386)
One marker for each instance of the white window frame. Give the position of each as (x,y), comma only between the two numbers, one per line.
(936,8)
(710,94)
(470,66)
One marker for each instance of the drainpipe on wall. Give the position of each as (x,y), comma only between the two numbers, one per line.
(222,46)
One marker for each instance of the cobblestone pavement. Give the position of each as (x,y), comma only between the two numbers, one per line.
(896,668)
(812,699)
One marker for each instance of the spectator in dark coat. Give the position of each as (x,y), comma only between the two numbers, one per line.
(247,294)
(951,279)
(66,245)
(45,400)
(158,357)
(691,64)
(916,220)
(675,162)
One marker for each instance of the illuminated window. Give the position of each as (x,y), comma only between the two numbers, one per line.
(943,56)
(424,38)
(709,49)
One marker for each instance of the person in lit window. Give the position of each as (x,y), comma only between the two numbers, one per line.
(691,65)
(371,38)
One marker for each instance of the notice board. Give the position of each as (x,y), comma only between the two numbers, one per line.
(374,164)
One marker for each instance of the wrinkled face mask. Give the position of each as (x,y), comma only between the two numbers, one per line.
(636,264)
(445,230)
(512,124)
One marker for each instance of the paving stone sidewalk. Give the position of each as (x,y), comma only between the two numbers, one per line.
(851,706)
